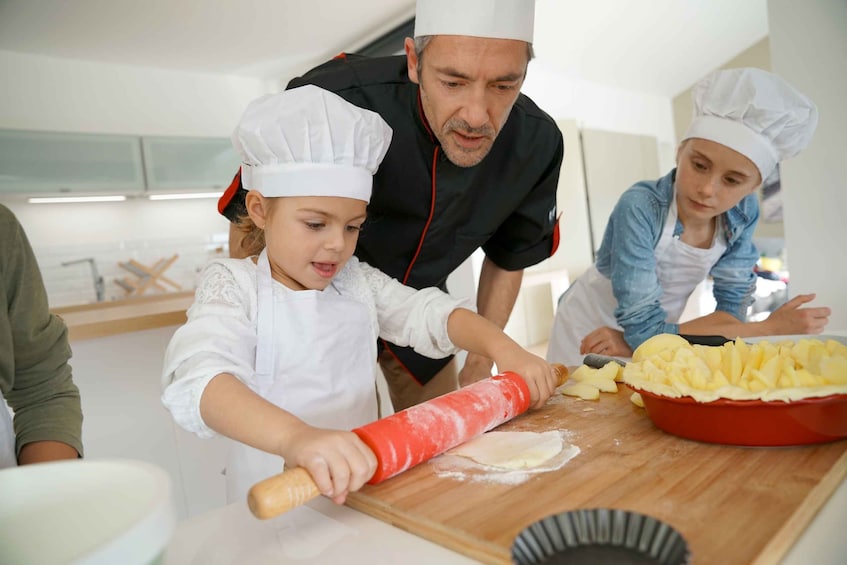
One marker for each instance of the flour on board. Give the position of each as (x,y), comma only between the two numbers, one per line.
(506,457)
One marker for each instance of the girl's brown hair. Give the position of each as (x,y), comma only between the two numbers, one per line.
(252,236)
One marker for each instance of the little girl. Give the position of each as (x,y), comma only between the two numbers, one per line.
(666,236)
(279,350)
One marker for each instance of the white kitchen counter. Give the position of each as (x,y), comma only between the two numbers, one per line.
(323,532)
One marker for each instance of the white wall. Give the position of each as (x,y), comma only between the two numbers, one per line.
(114,232)
(50,94)
(809,49)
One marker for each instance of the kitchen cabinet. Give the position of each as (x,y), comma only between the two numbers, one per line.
(79,164)
(69,163)
(186,163)
(613,162)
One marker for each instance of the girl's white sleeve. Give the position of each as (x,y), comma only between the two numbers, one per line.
(219,337)
(410,317)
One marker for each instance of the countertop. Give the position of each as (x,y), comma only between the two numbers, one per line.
(322,532)
(326,533)
(120,316)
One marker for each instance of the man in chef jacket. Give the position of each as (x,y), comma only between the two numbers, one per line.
(473,163)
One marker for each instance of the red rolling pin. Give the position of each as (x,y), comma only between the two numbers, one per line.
(411,436)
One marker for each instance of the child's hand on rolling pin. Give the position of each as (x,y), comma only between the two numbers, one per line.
(338,461)
(538,374)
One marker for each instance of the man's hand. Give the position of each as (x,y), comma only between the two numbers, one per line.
(605,341)
(477,367)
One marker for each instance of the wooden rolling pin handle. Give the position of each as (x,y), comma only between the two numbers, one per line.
(281,493)
(294,487)
(561,373)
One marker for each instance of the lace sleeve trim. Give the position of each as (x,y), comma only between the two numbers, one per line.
(220,285)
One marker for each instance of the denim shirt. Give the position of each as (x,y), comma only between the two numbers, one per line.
(626,257)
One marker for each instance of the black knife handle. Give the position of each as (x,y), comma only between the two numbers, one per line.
(599,361)
(713,340)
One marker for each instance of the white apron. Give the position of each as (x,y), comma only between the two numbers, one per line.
(590,303)
(7,437)
(315,358)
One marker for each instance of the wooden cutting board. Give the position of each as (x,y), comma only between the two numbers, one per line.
(732,504)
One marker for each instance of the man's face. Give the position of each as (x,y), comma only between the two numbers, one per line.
(468,86)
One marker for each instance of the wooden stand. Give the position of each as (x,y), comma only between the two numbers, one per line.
(147,277)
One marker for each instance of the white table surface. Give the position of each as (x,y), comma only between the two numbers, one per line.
(322,532)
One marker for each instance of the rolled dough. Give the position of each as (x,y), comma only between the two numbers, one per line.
(512,450)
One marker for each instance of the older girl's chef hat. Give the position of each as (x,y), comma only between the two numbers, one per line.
(310,142)
(498,19)
(755,113)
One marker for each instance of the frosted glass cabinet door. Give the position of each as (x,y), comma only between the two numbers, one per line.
(69,163)
(186,163)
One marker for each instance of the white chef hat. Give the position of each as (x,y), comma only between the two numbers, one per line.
(310,142)
(498,19)
(755,113)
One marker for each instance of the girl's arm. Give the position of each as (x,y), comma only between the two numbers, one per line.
(634,228)
(788,319)
(436,325)
(496,295)
(338,461)
(734,284)
(475,334)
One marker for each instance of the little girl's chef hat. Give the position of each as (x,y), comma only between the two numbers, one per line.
(497,19)
(310,142)
(755,113)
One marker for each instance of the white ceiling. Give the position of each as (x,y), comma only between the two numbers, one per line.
(653,46)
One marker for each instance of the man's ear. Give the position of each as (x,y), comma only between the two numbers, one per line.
(411,60)
(257,208)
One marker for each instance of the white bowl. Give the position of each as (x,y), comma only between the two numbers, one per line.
(86,512)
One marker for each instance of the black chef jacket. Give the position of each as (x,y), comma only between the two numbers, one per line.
(427,215)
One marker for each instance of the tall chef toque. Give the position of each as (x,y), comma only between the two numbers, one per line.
(310,142)
(497,19)
(755,113)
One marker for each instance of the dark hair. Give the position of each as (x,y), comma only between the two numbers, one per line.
(422,41)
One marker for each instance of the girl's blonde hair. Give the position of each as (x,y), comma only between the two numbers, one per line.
(252,236)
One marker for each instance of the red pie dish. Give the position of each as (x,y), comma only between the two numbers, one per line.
(750,422)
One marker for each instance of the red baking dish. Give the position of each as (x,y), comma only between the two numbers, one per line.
(750,422)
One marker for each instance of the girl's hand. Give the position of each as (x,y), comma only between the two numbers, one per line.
(605,341)
(538,374)
(338,461)
(791,319)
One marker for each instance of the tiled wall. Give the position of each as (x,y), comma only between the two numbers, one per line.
(74,284)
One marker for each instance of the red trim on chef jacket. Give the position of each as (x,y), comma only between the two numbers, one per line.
(387,347)
(555,236)
(432,198)
(341,55)
(226,197)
